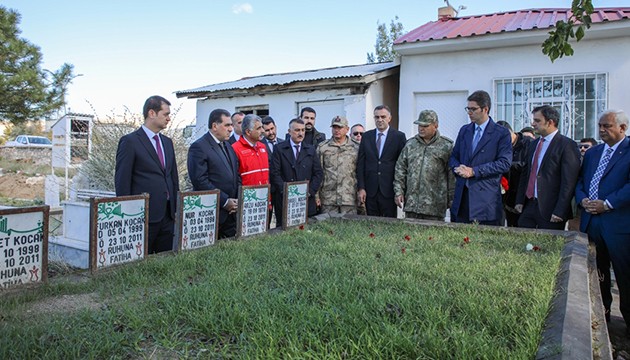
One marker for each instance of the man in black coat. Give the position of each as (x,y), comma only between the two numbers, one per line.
(293,160)
(212,164)
(376,162)
(145,162)
(547,183)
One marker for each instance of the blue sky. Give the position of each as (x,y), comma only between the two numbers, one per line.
(129,50)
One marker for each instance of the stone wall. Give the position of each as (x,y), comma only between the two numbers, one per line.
(31,155)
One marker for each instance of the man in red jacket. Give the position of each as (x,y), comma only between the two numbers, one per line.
(252,154)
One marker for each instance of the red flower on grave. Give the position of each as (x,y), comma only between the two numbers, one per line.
(403,250)
(407,237)
(466,240)
(536,248)
(301,227)
(372,235)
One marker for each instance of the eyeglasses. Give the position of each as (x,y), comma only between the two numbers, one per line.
(585,146)
(471,109)
(357,133)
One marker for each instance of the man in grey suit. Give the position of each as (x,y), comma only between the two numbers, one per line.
(212,164)
(145,162)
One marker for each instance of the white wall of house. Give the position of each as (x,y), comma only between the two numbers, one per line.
(284,107)
(433,80)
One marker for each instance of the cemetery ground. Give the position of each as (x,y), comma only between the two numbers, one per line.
(334,289)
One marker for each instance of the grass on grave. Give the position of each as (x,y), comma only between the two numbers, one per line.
(336,289)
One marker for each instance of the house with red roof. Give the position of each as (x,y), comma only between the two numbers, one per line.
(444,61)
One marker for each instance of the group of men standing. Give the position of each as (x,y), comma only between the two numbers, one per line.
(376,171)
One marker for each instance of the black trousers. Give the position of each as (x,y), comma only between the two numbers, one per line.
(162,233)
(532,219)
(380,205)
(228,227)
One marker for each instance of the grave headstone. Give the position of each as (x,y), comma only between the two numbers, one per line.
(295,209)
(197,220)
(253,210)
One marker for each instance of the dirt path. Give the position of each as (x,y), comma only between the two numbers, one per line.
(20,186)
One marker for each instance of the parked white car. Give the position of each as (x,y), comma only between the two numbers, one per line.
(29,140)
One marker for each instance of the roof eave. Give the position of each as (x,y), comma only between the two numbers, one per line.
(507,39)
(296,86)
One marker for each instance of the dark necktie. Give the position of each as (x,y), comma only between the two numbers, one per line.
(159,150)
(534,171)
(222,146)
(297,151)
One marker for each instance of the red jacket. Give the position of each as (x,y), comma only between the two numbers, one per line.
(253,162)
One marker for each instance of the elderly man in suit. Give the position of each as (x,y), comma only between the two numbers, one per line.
(482,153)
(378,153)
(603,191)
(145,162)
(548,180)
(212,164)
(293,160)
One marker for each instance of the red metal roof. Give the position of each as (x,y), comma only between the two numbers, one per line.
(452,28)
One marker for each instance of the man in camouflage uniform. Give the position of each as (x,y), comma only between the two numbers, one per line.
(338,157)
(423,183)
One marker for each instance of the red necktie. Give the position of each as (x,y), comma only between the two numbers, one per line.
(532,175)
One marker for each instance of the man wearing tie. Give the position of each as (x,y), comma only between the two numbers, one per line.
(481,155)
(378,153)
(293,160)
(212,164)
(145,162)
(546,184)
(603,191)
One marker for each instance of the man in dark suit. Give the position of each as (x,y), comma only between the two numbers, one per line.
(212,164)
(145,162)
(548,180)
(270,138)
(293,160)
(482,153)
(603,191)
(378,153)
(237,121)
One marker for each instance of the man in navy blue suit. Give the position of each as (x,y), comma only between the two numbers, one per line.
(145,162)
(294,160)
(482,153)
(603,191)
(378,153)
(212,164)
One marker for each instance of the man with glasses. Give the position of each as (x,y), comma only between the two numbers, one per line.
(356,132)
(586,144)
(482,153)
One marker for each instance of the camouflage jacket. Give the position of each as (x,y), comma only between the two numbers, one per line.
(339,186)
(423,177)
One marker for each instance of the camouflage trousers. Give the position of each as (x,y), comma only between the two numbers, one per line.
(413,215)
(339,209)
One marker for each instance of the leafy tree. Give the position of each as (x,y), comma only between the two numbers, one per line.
(557,45)
(385,38)
(27,91)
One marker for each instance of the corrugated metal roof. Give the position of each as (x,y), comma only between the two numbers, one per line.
(287,78)
(468,26)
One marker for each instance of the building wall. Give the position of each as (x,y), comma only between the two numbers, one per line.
(284,107)
(467,71)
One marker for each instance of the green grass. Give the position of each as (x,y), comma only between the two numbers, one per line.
(328,291)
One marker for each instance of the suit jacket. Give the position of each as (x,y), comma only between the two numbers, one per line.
(374,174)
(269,149)
(209,169)
(138,170)
(233,139)
(285,168)
(614,186)
(557,175)
(492,157)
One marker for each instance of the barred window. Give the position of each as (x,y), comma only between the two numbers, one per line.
(579,98)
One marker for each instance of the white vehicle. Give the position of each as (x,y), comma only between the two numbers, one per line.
(29,140)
